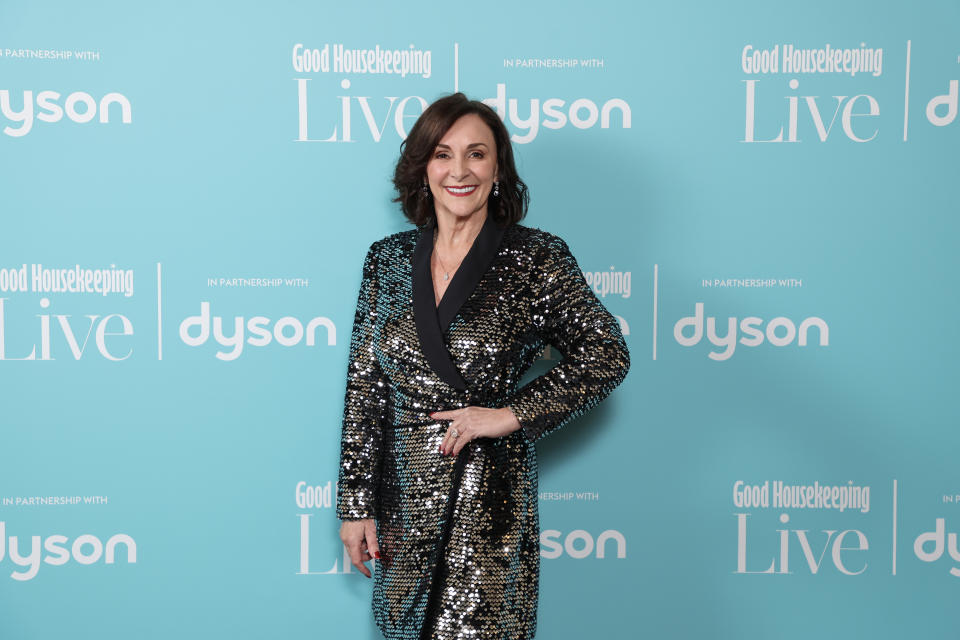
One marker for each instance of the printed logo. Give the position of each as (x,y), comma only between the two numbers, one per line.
(610,282)
(780,332)
(319,497)
(813,117)
(77,334)
(580,544)
(927,553)
(339,59)
(86,549)
(553,113)
(287,331)
(843,549)
(79,106)
(834,546)
(380,116)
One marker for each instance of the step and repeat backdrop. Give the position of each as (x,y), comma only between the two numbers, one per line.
(765,196)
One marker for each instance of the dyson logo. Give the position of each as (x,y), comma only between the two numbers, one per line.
(255,331)
(779,332)
(79,107)
(85,549)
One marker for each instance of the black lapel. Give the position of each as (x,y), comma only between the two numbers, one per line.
(432,321)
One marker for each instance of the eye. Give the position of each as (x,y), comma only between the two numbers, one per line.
(441,155)
(477,154)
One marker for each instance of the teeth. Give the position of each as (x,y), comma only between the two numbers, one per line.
(461,189)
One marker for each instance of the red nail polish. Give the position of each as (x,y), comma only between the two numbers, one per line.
(376,555)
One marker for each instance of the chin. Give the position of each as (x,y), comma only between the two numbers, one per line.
(463,209)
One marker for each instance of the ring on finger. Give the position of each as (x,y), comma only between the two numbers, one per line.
(454,433)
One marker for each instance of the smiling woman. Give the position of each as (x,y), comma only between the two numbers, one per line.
(463,165)
(428,147)
(438,468)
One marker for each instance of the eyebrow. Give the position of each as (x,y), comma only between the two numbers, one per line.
(469,146)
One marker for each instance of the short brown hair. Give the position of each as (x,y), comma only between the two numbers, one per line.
(415,152)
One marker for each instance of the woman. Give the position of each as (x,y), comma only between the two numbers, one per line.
(438,473)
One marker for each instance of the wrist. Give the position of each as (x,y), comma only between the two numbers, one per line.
(511,418)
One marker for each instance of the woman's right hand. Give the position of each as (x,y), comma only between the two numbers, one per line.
(360,539)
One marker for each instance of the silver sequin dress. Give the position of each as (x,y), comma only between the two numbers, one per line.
(459,538)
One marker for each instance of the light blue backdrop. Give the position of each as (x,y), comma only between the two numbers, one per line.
(216,192)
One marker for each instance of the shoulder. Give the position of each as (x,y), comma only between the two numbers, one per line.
(539,242)
(393,244)
(400,238)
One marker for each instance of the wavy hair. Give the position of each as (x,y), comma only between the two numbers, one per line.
(415,152)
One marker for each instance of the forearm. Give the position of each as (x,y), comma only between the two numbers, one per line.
(595,356)
(571,388)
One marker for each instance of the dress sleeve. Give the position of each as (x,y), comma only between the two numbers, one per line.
(363,408)
(595,357)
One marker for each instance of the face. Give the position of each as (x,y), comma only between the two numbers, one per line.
(463,167)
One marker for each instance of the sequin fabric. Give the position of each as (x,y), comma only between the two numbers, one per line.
(459,538)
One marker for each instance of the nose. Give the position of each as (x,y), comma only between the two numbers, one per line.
(459,169)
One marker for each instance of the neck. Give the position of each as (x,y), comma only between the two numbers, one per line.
(454,233)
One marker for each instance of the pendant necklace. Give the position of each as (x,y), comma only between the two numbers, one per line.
(446,272)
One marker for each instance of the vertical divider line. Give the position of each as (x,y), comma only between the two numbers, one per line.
(302,135)
(305,544)
(894,545)
(456,67)
(656,272)
(906,94)
(159,315)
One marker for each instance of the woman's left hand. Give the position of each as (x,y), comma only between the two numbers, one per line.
(470,423)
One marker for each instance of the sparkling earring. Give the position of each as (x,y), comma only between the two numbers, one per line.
(496,187)
(424,190)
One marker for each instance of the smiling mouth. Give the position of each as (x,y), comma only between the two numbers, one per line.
(461,191)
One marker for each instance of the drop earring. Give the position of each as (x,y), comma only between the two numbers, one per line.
(496,188)
(424,190)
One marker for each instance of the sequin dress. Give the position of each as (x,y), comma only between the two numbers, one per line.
(459,538)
